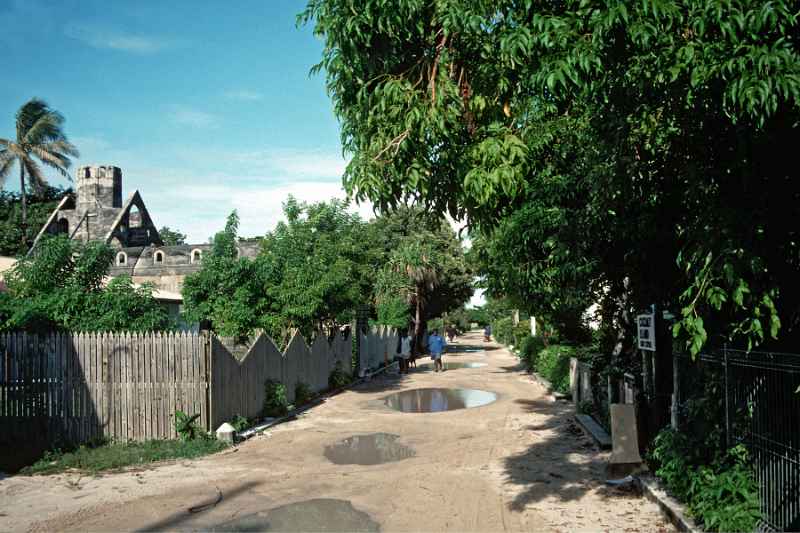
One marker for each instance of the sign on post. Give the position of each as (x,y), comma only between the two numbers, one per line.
(646,326)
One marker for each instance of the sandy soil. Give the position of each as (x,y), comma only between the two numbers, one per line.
(518,464)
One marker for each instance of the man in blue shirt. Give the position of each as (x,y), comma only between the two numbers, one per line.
(436,344)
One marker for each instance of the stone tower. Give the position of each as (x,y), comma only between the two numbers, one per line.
(98,187)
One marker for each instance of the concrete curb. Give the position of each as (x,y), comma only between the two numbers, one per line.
(674,510)
(594,431)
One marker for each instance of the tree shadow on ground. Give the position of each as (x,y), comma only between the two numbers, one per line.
(563,463)
(192,517)
(383,382)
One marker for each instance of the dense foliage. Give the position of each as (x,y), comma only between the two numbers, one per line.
(722,494)
(322,264)
(171,237)
(634,152)
(40,205)
(61,286)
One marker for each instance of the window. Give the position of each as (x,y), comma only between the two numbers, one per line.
(158,257)
(122,259)
(196,255)
(134,217)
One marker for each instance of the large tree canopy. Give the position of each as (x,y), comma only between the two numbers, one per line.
(645,143)
(316,269)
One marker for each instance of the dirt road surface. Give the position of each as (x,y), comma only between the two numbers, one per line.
(517,464)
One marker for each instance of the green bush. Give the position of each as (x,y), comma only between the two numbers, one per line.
(529,351)
(503,330)
(239,422)
(520,332)
(723,495)
(187,427)
(275,402)
(302,393)
(552,363)
(338,378)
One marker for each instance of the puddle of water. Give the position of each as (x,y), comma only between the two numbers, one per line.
(320,514)
(372,449)
(436,400)
(451,366)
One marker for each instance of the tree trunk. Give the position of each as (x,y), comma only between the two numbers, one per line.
(24,223)
(418,324)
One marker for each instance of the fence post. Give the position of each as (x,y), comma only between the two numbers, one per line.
(727,396)
(209,379)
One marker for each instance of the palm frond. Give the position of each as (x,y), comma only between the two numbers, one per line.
(52,159)
(6,162)
(47,128)
(35,176)
(28,114)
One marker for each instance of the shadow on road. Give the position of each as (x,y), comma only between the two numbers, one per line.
(193,514)
(563,463)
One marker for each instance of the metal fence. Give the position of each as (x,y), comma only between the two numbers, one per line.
(756,395)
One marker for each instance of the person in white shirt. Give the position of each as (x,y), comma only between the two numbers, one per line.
(404,351)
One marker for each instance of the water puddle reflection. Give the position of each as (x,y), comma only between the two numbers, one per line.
(372,449)
(437,400)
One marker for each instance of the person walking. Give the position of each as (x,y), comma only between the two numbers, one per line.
(436,344)
(487,333)
(404,351)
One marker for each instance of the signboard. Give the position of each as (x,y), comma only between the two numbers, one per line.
(646,326)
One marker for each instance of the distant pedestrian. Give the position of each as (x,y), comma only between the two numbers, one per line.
(451,333)
(436,344)
(487,333)
(404,351)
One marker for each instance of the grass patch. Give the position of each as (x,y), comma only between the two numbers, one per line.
(118,455)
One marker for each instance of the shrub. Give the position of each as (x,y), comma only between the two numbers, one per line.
(338,378)
(503,330)
(722,495)
(520,332)
(239,422)
(529,351)
(553,365)
(302,393)
(186,426)
(275,402)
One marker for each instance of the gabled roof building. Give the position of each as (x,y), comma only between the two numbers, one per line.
(96,212)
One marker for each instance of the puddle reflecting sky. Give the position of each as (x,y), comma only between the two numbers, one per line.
(372,449)
(437,400)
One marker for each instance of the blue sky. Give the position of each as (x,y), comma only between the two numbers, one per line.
(204,106)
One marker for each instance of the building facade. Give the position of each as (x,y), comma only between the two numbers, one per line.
(96,212)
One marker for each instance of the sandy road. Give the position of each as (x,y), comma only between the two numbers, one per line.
(518,464)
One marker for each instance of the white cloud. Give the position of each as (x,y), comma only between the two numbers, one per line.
(306,164)
(200,210)
(192,117)
(99,37)
(244,95)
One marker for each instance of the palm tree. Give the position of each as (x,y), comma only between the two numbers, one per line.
(39,136)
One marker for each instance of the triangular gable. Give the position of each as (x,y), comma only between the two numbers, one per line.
(140,233)
(50,220)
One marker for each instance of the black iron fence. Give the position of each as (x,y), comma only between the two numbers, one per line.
(752,398)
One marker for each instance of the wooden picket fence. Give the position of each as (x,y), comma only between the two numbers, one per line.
(77,387)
